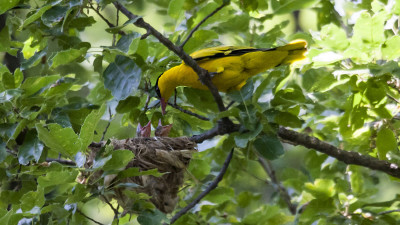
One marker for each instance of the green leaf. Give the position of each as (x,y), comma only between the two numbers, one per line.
(8,81)
(34,60)
(385,142)
(356,179)
(119,160)
(390,48)
(175,8)
(61,140)
(18,77)
(151,217)
(333,37)
(32,85)
(268,146)
(8,95)
(288,120)
(128,104)
(320,80)
(126,41)
(67,56)
(3,152)
(32,199)
(54,15)
(99,94)
(100,162)
(220,195)
(199,168)
(89,125)
(321,188)
(81,23)
(54,178)
(77,195)
(5,39)
(31,148)
(288,97)
(292,5)
(39,13)
(245,198)
(7,130)
(122,77)
(6,5)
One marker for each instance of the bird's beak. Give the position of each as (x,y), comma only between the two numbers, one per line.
(163,105)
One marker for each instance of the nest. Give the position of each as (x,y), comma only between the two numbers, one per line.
(168,155)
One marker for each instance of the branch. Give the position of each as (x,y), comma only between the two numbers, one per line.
(62,161)
(348,157)
(188,112)
(105,20)
(282,190)
(108,124)
(203,74)
(390,211)
(220,129)
(94,221)
(212,186)
(201,23)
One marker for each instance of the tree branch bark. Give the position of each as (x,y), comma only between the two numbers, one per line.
(347,157)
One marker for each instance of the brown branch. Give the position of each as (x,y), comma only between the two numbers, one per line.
(221,129)
(188,112)
(201,23)
(348,157)
(116,213)
(280,188)
(212,186)
(108,124)
(94,221)
(389,211)
(203,74)
(105,19)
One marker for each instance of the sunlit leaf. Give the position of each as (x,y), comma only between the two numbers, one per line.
(385,142)
(61,140)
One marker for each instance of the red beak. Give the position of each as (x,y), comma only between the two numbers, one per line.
(163,105)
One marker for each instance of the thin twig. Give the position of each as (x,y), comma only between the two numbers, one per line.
(94,221)
(267,166)
(11,153)
(188,112)
(108,125)
(116,213)
(105,19)
(61,161)
(230,104)
(212,186)
(389,211)
(393,99)
(201,22)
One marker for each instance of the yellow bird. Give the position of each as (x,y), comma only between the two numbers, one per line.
(230,67)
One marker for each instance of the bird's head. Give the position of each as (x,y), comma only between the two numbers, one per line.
(164,90)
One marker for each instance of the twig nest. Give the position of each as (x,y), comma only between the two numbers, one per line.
(170,156)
